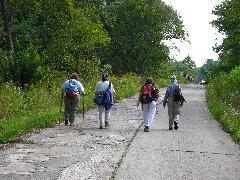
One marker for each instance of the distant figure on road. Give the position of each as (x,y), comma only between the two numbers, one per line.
(173,104)
(71,94)
(148,97)
(103,85)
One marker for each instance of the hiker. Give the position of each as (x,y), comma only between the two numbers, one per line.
(71,90)
(172,104)
(148,97)
(103,85)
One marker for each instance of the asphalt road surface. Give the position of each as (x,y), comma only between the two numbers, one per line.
(199,149)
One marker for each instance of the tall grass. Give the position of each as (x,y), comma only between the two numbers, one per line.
(223,95)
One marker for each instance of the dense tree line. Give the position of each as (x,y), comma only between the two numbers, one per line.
(39,38)
(228,24)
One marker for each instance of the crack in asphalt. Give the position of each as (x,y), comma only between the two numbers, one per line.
(204,152)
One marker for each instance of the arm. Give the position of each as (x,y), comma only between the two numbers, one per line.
(138,99)
(157,94)
(165,99)
(61,99)
(80,87)
(112,88)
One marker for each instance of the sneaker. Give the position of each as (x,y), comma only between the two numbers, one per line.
(146,129)
(71,124)
(170,128)
(66,122)
(106,124)
(101,127)
(175,125)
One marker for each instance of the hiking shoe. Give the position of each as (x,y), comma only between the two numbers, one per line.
(106,124)
(175,125)
(101,127)
(146,129)
(66,122)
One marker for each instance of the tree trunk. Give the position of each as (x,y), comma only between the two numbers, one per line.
(7,24)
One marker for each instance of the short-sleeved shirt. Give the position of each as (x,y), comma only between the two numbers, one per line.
(79,86)
(102,86)
(171,90)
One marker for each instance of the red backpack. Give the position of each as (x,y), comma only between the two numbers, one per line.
(146,94)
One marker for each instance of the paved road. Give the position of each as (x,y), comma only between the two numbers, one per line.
(200,149)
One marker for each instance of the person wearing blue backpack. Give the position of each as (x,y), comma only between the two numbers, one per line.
(71,90)
(104,88)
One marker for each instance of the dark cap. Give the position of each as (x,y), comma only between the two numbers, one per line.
(105,75)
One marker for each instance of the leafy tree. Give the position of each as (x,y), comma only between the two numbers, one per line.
(187,66)
(21,68)
(7,27)
(68,32)
(189,62)
(209,68)
(179,66)
(137,29)
(228,23)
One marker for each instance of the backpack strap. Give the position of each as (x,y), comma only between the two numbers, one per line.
(176,88)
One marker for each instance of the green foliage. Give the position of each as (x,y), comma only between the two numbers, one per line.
(228,23)
(209,69)
(137,29)
(189,62)
(72,36)
(12,129)
(21,68)
(224,102)
(74,46)
(185,67)
(69,33)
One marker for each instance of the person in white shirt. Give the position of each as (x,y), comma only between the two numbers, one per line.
(71,90)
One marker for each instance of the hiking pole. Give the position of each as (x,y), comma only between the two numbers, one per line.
(83,108)
(60,110)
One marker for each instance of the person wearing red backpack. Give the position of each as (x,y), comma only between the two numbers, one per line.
(148,97)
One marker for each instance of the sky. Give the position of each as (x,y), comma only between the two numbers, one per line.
(196,16)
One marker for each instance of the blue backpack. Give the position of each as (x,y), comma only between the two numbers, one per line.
(71,92)
(105,98)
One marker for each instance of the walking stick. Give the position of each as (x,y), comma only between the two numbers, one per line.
(60,110)
(83,108)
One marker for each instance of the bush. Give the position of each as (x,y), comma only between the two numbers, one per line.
(224,102)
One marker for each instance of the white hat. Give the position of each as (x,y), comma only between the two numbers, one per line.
(173,78)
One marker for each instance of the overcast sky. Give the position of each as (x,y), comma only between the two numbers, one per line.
(196,16)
